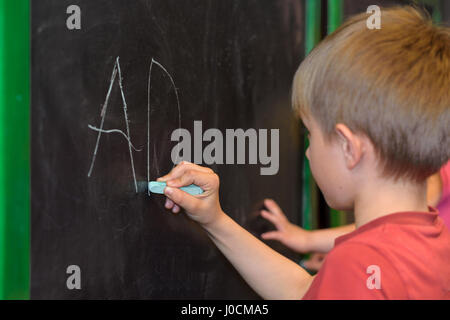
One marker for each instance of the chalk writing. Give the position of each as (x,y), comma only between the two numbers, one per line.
(100,130)
(116,70)
(114,131)
(148,111)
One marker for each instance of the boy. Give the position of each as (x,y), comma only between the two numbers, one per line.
(321,241)
(377,106)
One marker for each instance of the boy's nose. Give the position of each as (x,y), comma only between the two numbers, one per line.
(307,153)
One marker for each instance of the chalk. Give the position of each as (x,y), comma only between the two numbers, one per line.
(158,187)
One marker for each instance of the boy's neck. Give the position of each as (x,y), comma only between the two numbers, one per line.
(382,197)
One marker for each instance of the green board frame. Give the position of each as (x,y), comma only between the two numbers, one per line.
(14,149)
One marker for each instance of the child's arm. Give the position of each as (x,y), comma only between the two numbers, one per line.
(270,274)
(322,240)
(299,239)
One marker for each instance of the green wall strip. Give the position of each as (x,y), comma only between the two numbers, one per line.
(313,24)
(309,201)
(335,14)
(14,149)
(313,36)
(335,19)
(437,6)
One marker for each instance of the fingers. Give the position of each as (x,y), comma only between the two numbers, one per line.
(315,262)
(187,173)
(170,205)
(271,217)
(318,257)
(206,181)
(272,235)
(182,199)
(181,168)
(273,207)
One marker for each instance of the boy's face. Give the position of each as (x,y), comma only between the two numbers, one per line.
(328,166)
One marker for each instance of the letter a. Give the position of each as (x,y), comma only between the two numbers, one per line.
(116,71)
(74,281)
(374,21)
(74,20)
(374,281)
(182,151)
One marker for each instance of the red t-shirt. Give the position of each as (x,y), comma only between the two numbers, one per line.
(399,256)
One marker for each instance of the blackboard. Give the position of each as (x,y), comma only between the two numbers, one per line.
(228,64)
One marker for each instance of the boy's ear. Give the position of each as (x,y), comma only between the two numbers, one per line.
(351,145)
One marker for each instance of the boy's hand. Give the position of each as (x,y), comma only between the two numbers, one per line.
(287,233)
(315,262)
(204,208)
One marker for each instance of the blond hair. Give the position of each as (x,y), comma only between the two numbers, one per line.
(392,84)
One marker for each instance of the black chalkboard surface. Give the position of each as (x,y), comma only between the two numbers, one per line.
(228,64)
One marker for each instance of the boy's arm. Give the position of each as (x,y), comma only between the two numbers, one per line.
(296,238)
(270,274)
(322,240)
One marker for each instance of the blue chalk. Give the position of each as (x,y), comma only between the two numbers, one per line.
(158,187)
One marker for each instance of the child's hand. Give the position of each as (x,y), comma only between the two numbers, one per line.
(315,262)
(287,233)
(204,208)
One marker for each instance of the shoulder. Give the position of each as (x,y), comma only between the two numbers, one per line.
(355,270)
